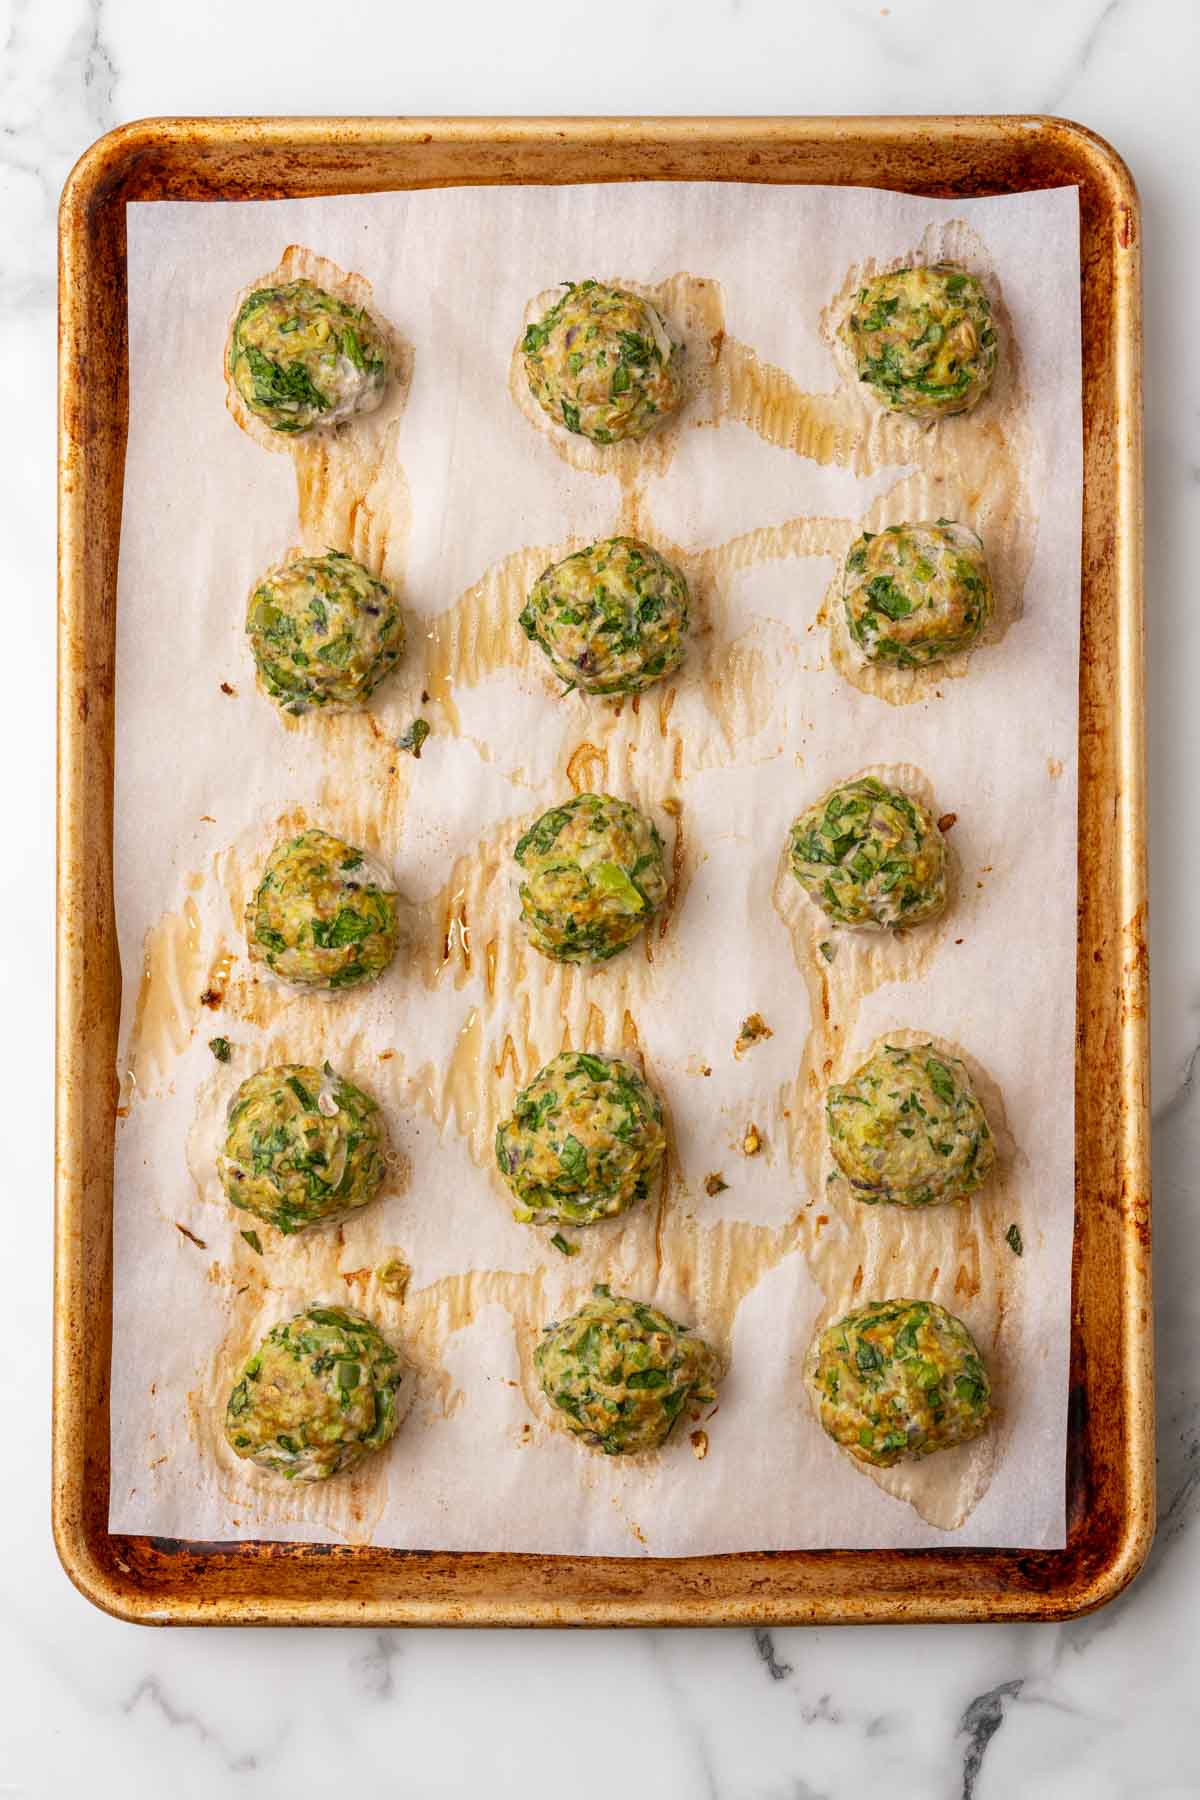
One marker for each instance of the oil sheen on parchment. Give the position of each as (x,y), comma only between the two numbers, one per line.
(461,943)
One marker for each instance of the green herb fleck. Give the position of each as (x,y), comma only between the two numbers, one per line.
(941,1080)
(394,1277)
(412,739)
(1014,1240)
(560,1243)
(301,1092)
(573,1157)
(254,1241)
(221,1048)
(828,950)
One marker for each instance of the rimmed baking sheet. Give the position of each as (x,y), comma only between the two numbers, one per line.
(1110,1467)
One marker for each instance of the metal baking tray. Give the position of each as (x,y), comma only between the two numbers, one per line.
(1110,1473)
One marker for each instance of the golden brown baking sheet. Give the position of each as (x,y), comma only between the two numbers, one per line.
(1109,1498)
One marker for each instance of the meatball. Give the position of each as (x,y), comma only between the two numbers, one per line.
(302,1147)
(318,1395)
(584,1142)
(324,631)
(603,363)
(593,874)
(621,1373)
(898,1378)
(300,358)
(870,856)
(612,619)
(907,1129)
(923,340)
(916,593)
(322,916)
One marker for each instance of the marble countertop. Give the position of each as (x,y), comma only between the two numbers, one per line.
(1102,1708)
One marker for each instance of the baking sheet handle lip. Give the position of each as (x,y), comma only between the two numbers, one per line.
(83,1547)
(123,1599)
(1042,1601)
(1140,1519)
(1126,1556)
(116,153)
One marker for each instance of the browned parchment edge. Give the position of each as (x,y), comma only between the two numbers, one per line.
(1110,1459)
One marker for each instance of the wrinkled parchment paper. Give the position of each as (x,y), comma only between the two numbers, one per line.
(460,492)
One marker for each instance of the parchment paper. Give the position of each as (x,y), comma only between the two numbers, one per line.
(461,492)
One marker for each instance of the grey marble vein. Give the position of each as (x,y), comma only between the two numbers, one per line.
(150,1692)
(375,1667)
(980,1722)
(822,1711)
(1082,58)
(1178,1513)
(1182,1092)
(57,87)
(765,1646)
(697,1721)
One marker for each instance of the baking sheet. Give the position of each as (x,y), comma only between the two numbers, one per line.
(461,493)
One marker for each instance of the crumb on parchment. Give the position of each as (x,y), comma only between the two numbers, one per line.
(753,1031)
(394,1276)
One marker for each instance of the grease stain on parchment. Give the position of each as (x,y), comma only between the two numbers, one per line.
(695,307)
(518,1009)
(168,1004)
(351,487)
(977,468)
(954,1254)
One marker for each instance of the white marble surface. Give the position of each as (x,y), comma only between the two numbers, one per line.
(1103,1708)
